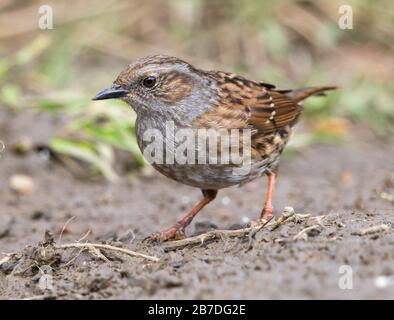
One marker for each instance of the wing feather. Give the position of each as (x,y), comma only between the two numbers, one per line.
(244,103)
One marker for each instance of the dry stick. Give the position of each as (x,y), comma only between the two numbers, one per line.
(256,226)
(97,252)
(74,258)
(5,259)
(319,220)
(107,247)
(303,234)
(64,228)
(85,236)
(287,216)
(371,230)
(210,235)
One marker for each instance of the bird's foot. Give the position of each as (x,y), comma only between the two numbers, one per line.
(267,213)
(174,233)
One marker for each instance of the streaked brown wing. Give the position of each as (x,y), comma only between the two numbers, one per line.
(245,103)
(273,113)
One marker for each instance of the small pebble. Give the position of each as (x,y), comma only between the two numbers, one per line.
(387,196)
(382,282)
(372,230)
(2,146)
(21,184)
(22,146)
(185,200)
(44,154)
(288,211)
(226,201)
(245,219)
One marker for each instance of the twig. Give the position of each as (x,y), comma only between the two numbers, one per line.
(97,252)
(73,258)
(64,228)
(80,251)
(107,247)
(5,259)
(85,236)
(303,234)
(372,230)
(255,227)
(319,219)
(287,215)
(202,238)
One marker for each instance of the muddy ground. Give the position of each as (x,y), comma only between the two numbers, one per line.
(343,181)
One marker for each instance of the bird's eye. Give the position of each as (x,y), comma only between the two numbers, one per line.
(149,82)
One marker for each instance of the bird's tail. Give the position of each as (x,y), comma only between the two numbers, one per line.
(303,93)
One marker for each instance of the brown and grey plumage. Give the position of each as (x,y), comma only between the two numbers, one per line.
(164,89)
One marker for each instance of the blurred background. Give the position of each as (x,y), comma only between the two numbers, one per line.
(52,74)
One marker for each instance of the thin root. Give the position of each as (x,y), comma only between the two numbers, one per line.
(372,230)
(64,228)
(95,247)
(303,234)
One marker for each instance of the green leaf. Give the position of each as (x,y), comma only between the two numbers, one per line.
(50,105)
(88,152)
(10,95)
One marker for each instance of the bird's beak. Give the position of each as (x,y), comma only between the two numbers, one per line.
(115,91)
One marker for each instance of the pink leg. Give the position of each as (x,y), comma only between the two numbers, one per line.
(267,211)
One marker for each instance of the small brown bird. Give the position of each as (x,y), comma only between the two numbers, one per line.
(167,92)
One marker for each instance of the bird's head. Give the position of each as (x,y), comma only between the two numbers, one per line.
(156,83)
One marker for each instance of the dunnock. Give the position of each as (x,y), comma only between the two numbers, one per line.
(165,90)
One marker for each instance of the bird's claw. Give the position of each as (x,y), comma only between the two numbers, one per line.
(153,238)
(173,233)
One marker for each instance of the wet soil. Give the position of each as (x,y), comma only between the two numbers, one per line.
(350,183)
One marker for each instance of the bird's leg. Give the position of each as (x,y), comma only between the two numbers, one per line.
(268,208)
(177,231)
